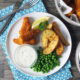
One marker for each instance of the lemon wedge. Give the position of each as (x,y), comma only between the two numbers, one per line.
(38,21)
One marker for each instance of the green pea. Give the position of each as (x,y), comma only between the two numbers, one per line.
(45,63)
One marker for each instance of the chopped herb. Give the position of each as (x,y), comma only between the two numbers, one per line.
(43,25)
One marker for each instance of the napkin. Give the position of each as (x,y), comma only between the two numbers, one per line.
(62,74)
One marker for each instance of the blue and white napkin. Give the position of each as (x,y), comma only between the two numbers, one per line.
(62,74)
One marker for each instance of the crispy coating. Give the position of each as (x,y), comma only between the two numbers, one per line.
(26,26)
(20,41)
(26,34)
(32,41)
(30,34)
(59,48)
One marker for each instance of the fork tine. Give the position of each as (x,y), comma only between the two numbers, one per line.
(30,4)
(33,2)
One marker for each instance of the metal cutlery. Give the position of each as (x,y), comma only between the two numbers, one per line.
(28,5)
(17,5)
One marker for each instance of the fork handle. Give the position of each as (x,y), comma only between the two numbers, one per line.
(1,19)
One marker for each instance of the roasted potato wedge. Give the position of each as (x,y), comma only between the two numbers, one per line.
(69,14)
(47,35)
(59,48)
(49,26)
(49,41)
(62,38)
(51,46)
(77,3)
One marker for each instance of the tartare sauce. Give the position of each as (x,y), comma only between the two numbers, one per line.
(25,56)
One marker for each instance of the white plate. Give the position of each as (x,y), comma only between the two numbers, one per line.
(14,33)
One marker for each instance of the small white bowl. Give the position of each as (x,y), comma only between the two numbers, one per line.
(63,16)
(17,51)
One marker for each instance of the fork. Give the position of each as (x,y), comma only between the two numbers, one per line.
(28,5)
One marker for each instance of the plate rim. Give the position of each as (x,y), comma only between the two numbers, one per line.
(26,72)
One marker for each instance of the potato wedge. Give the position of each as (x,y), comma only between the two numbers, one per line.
(49,41)
(77,3)
(49,26)
(59,48)
(47,35)
(57,30)
(69,14)
(52,45)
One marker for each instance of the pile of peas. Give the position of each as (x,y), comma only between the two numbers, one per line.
(45,63)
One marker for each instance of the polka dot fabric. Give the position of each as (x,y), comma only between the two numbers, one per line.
(62,74)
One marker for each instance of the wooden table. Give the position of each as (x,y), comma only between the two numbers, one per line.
(5,72)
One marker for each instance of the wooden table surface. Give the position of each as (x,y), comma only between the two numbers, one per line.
(5,72)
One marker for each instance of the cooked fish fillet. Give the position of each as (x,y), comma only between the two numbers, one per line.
(20,41)
(29,34)
(26,33)
(26,26)
(32,41)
